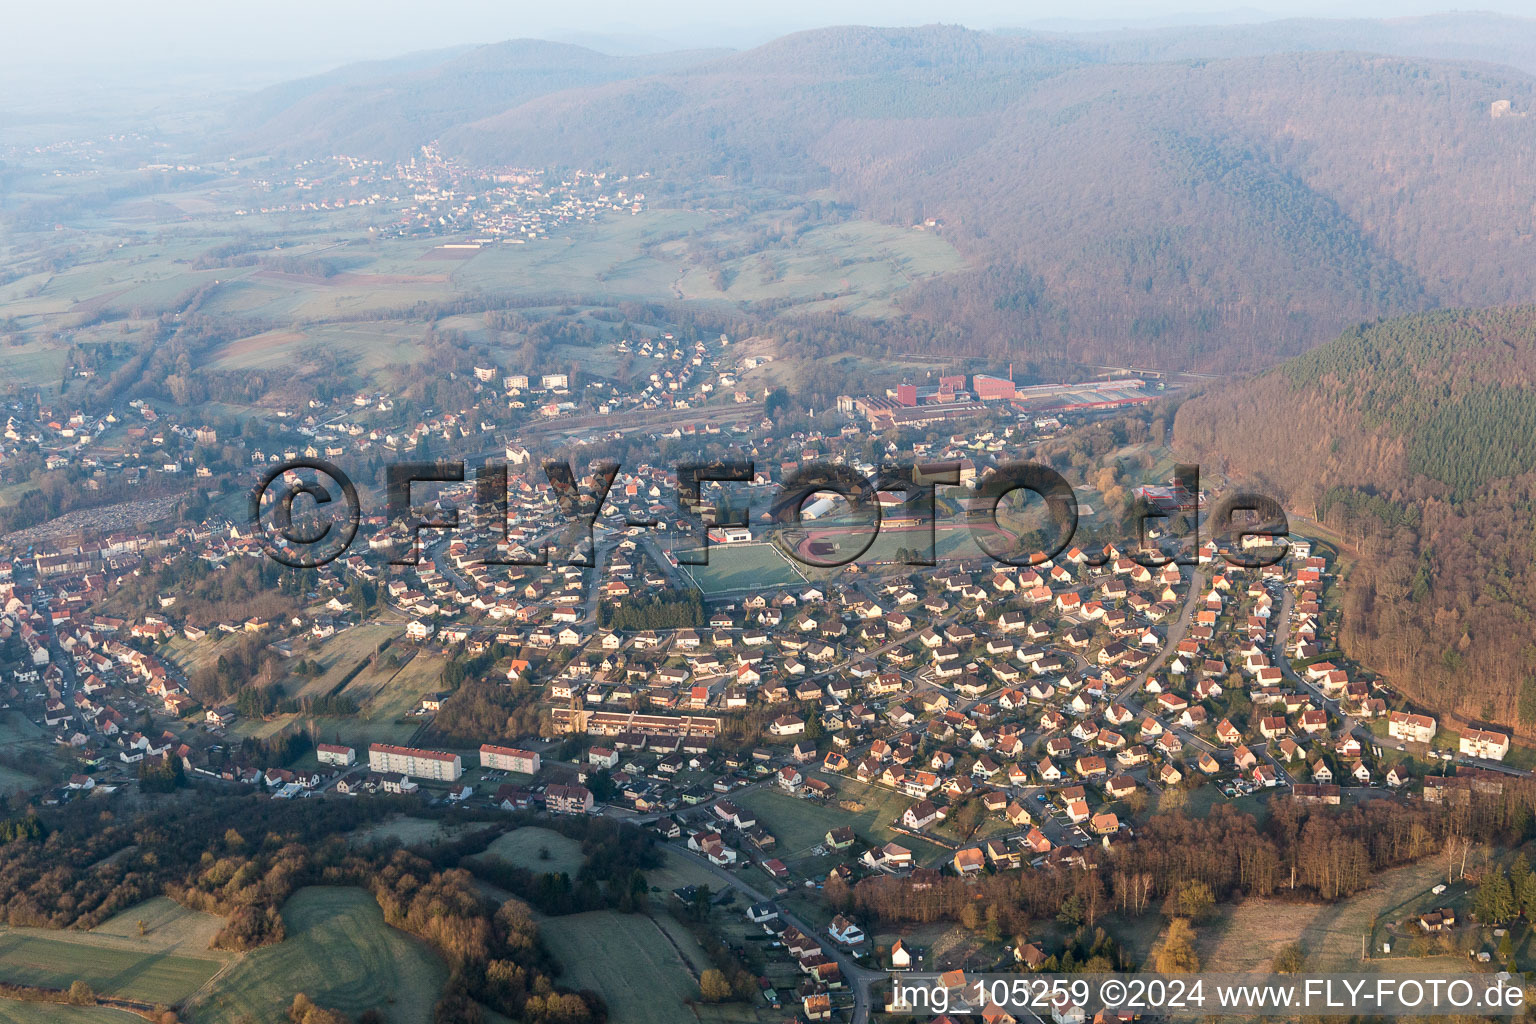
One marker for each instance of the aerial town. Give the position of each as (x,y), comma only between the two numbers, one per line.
(962,720)
(854,528)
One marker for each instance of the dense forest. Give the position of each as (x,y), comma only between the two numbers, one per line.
(1413,439)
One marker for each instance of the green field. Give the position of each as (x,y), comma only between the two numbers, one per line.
(33,363)
(18,1012)
(19,735)
(374,347)
(676,872)
(166,964)
(743,567)
(340,654)
(412,831)
(384,697)
(13,781)
(522,847)
(168,926)
(1246,937)
(341,954)
(856,267)
(629,961)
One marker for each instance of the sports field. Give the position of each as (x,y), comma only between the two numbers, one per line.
(737,567)
(949,543)
(169,962)
(341,954)
(655,978)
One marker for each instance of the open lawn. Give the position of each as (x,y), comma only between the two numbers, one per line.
(341,954)
(949,544)
(855,267)
(629,960)
(34,363)
(800,825)
(676,872)
(24,739)
(13,781)
(522,847)
(16,729)
(1199,801)
(370,349)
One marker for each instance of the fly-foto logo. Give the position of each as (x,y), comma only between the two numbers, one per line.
(1250,529)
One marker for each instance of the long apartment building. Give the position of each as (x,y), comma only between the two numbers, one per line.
(611,723)
(438,765)
(509,759)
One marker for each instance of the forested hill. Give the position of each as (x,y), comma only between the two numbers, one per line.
(389,109)
(1415,439)
(1219,214)
(1215,214)
(1463,35)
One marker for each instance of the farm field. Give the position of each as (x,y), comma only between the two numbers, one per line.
(618,257)
(168,926)
(521,847)
(655,979)
(20,735)
(742,567)
(341,954)
(855,267)
(341,653)
(1246,937)
(35,363)
(16,1011)
(384,697)
(374,348)
(170,962)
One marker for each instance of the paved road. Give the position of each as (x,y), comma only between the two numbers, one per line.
(861,980)
(1175,635)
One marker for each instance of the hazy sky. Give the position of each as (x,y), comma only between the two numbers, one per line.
(65,38)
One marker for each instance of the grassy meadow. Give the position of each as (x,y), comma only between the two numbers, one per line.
(341,954)
(168,962)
